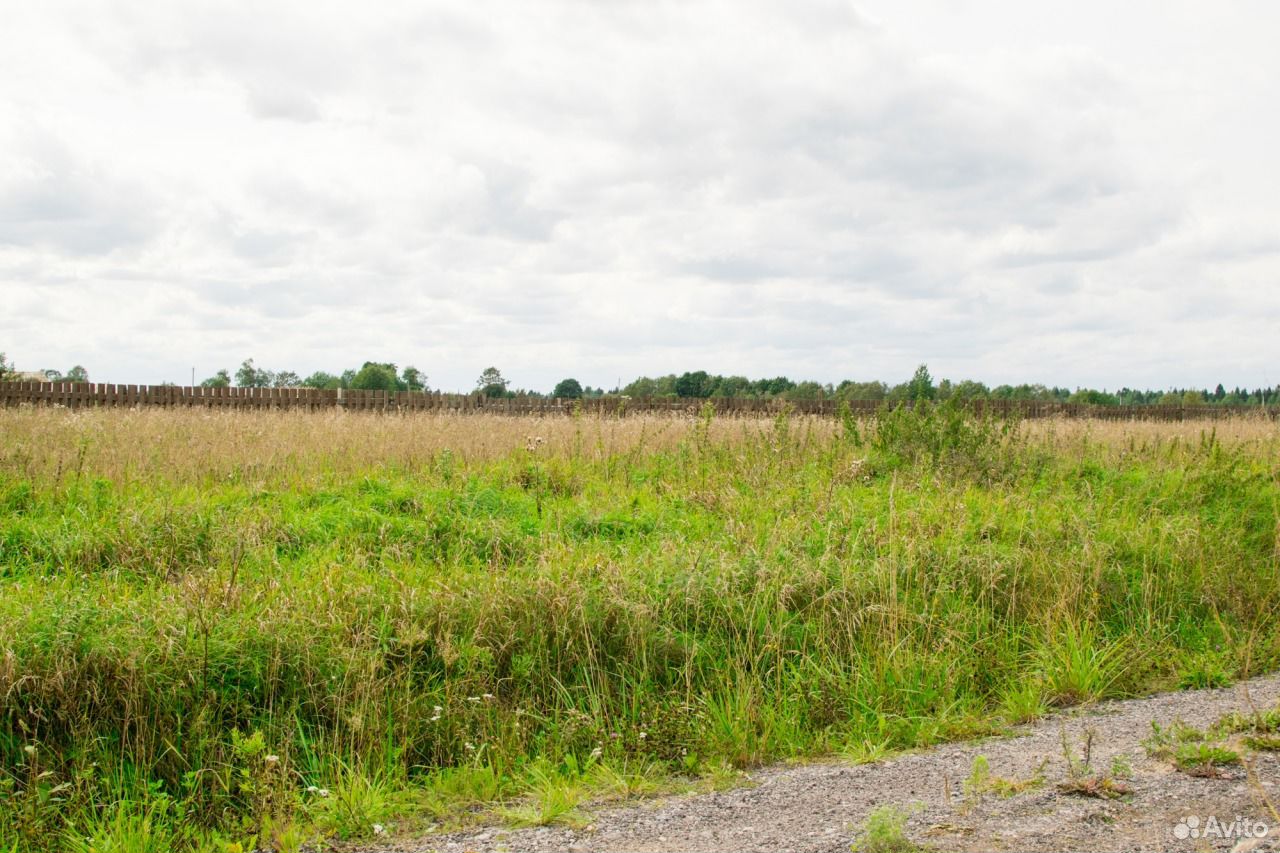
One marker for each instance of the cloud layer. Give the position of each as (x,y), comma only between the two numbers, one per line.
(605,189)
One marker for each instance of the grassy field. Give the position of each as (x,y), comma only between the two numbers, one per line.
(221,630)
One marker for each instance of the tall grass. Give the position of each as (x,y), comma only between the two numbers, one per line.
(252,628)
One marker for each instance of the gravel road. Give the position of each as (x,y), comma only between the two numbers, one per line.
(821,807)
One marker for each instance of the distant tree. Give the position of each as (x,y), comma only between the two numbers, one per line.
(1093,397)
(1028,392)
(413,379)
(52,375)
(772,387)
(568,389)
(249,376)
(733,386)
(5,367)
(695,384)
(77,374)
(376,377)
(221,379)
(491,383)
(806,391)
(286,379)
(1219,393)
(850,390)
(642,387)
(921,385)
(971,390)
(320,379)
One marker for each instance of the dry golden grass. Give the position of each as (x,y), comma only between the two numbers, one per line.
(1240,430)
(190,445)
(180,445)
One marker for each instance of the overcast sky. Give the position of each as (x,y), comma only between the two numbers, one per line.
(1077,193)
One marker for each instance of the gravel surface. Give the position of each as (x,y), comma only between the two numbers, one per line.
(820,807)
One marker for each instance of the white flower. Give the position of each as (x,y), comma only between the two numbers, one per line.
(324,792)
(643,735)
(597,752)
(379,829)
(489,696)
(272,759)
(436,717)
(312,789)
(470,746)
(473,698)
(438,709)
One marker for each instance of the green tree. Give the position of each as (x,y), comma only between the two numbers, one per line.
(221,379)
(376,377)
(492,383)
(733,386)
(642,387)
(1094,397)
(971,390)
(568,389)
(320,379)
(249,376)
(772,387)
(921,385)
(695,384)
(413,379)
(5,367)
(806,390)
(77,374)
(286,379)
(850,390)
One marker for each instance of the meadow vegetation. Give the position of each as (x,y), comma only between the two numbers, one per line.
(221,630)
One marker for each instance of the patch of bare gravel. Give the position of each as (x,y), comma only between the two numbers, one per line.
(820,807)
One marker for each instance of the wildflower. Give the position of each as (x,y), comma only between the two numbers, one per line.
(470,747)
(312,789)
(489,696)
(438,709)
(473,698)
(324,792)
(272,759)
(379,829)
(643,735)
(597,752)
(434,718)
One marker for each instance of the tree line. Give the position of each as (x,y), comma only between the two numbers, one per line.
(386,376)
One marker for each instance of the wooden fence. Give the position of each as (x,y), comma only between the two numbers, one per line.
(78,395)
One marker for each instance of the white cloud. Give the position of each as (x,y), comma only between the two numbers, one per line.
(1083,195)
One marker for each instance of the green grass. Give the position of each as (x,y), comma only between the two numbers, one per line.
(204,624)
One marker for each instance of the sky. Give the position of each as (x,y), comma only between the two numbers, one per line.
(1075,193)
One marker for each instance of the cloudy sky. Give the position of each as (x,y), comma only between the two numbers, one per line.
(1079,193)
